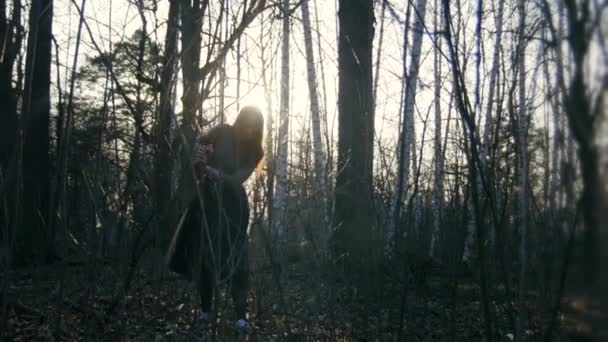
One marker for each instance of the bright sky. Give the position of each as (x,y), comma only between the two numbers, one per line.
(117,19)
(113,20)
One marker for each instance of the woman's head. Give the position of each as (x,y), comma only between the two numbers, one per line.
(249,124)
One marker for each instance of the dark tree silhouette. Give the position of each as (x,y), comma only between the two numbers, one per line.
(353,215)
(33,236)
(10,40)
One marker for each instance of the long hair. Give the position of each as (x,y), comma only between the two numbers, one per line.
(249,125)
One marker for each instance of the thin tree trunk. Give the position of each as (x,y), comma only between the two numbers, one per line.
(269,150)
(470,237)
(326,130)
(163,159)
(473,160)
(522,165)
(438,154)
(191,26)
(379,54)
(407,131)
(280,193)
(319,161)
(58,201)
(238,61)
(487,131)
(402,163)
(222,90)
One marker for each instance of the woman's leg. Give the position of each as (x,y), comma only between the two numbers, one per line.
(239,284)
(205,289)
(239,221)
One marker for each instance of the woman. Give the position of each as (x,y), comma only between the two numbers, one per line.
(210,245)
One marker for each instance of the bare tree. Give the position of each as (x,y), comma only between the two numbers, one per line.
(353,215)
(163,163)
(319,157)
(470,235)
(10,40)
(464,108)
(438,154)
(11,36)
(407,130)
(584,107)
(280,192)
(34,236)
(522,166)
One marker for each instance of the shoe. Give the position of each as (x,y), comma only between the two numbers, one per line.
(243,326)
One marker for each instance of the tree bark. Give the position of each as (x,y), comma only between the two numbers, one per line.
(163,158)
(407,138)
(10,41)
(522,165)
(191,26)
(438,155)
(280,192)
(269,143)
(353,196)
(34,239)
(319,160)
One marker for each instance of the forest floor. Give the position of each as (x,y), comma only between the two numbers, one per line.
(41,307)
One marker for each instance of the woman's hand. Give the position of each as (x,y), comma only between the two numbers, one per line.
(201,153)
(213,174)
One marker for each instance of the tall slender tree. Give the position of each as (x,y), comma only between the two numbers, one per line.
(191,14)
(438,154)
(10,40)
(522,166)
(469,127)
(470,235)
(163,160)
(269,143)
(406,138)
(492,87)
(34,237)
(319,158)
(584,111)
(280,192)
(353,195)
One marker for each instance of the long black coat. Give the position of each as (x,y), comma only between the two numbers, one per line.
(224,232)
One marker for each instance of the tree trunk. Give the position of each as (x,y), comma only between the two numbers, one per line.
(353,196)
(191,25)
(315,113)
(379,53)
(269,145)
(191,19)
(10,40)
(280,193)
(492,85)
(470,237)
(34,238)
(438,155)
(473,164)
(238,61)
(163,158)
(584,114)
(407,130)
(487,130)
(522,165)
